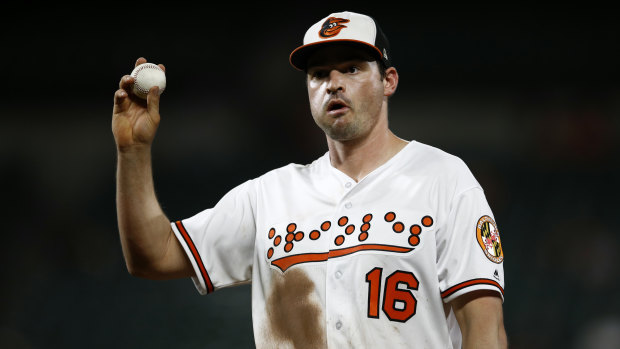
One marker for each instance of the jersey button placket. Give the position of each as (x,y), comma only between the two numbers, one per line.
(338,298)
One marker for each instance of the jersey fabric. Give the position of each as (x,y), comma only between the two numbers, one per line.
(336,263)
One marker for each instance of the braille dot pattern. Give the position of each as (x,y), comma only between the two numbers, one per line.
(292,235)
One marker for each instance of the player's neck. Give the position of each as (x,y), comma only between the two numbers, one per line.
(359,157)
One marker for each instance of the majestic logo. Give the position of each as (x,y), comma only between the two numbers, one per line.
(488,239)
(332,26)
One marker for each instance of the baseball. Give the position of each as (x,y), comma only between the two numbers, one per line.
(146,76)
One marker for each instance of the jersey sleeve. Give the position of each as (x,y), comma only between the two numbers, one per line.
(219,241)
(469,250)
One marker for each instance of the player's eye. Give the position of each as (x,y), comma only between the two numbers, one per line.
(353,69)
(318,74)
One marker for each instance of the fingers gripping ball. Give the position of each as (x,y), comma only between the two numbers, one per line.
(146,76)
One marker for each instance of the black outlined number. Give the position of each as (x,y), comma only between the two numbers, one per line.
(399,304)
(373,278)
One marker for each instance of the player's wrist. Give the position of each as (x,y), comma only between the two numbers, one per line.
(136,149)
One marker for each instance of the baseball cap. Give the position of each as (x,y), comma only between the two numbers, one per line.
(343,27)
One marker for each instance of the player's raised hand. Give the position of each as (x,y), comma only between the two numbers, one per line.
(134,120)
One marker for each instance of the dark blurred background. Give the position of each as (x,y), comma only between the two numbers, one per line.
(528,97)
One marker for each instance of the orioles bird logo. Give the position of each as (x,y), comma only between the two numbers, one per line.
(332,26)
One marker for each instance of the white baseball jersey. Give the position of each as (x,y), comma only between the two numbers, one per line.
(336,263)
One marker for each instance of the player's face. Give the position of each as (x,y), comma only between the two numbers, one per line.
(346,91)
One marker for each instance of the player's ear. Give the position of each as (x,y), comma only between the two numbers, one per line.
(390,82)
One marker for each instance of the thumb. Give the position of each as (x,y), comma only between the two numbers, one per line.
(152,102)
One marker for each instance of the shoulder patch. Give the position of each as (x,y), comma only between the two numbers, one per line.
(488,239)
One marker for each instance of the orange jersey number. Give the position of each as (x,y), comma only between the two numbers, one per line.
(398,304)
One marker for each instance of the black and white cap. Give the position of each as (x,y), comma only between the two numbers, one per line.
(347,27)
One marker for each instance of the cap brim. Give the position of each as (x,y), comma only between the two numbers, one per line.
(299,56)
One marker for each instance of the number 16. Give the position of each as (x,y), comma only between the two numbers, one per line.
(392,295)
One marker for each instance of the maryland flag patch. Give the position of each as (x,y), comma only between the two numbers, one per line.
(488,239)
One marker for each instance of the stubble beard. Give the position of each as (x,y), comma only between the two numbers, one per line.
(349,126)
(341,130)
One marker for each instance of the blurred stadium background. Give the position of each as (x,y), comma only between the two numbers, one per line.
(528,97)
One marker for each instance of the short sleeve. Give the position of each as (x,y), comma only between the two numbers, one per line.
(469,250)
(219,241)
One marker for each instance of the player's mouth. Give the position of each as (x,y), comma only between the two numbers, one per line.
(337,107)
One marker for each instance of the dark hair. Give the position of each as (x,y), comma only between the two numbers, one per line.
(382,69)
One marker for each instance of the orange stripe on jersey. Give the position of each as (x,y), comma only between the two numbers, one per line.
(196,256)
(288,261)
(368,247)
(469,283)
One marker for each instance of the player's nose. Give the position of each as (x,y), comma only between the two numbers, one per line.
(335,81)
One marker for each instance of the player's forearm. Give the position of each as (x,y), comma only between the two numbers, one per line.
(481,320)
(144,229)
(484,337)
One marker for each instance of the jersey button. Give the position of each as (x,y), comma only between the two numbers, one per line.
(338,274)
(338,325)
(348,185)
(348,205)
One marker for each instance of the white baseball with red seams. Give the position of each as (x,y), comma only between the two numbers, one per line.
(336,263)
(146,76)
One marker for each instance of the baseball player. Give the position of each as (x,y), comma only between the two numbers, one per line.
(381,242)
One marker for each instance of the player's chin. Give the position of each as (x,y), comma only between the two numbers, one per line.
(342,131)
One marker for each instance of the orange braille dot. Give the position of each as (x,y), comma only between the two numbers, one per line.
(288,247)
(291,227)
(367,218)
(363,236)
(339,240)
(427,221)
(277,241)
(272,233)
(414,240)
(390,216)
(290,237)
(270,252)
(315,235)
(326,225)
(365,227)
(299,236)
(415,229)
(342,221)
(398,227)
(350,229)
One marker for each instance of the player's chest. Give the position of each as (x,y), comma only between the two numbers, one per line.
(309,226)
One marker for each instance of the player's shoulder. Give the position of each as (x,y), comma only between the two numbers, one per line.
(445,167)
(293,171)
(434,157)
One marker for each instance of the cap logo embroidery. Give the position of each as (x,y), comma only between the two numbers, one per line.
(332,26)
